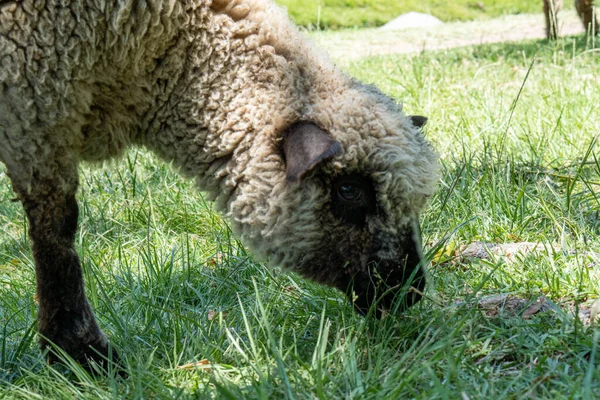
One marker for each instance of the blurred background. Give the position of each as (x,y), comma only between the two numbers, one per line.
(339,14)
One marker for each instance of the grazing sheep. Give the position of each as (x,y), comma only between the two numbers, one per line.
(585,10)
(319,173)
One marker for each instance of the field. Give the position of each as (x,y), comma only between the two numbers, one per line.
(194,316)
(335,14)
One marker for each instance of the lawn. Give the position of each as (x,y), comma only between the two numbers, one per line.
(335,14)
(194,316)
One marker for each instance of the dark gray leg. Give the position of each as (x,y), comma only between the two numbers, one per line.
(65,317)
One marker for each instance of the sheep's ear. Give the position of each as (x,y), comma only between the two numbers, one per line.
(305,145)
(418,121)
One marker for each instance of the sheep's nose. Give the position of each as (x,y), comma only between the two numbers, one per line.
(397,291)
(392,283)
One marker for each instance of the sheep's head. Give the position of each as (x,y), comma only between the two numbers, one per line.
(344,208)
(372,256)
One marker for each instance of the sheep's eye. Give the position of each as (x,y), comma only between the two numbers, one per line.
(353,198)
(350,192)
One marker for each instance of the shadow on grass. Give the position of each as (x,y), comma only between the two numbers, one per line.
(517,52)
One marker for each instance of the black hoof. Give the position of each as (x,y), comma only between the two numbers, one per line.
(97,358)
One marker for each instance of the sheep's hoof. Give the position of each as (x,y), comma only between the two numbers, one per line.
(97,357)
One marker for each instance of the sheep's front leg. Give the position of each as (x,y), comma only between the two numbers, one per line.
(65,317)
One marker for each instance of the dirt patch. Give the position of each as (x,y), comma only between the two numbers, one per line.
(485,251)
(509,306)
(371,42)
(508,252)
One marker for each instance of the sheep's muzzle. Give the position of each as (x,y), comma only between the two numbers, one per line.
(390,285)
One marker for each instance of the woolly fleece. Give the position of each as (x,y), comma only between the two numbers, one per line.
(210,87)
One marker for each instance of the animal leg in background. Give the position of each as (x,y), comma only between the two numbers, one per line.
(585,9)
(551,8)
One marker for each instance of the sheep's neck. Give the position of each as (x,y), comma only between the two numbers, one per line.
(238,86)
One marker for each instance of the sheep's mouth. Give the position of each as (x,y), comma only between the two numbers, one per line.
(386,284)
(372,293)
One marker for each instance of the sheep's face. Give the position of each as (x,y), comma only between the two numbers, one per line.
(347,216)
(360,235)
(381,258)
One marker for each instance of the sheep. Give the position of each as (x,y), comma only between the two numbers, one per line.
(585,10)
(316,172)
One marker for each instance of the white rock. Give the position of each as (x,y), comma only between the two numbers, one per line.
(411,20)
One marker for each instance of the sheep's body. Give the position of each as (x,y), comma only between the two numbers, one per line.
(212,87)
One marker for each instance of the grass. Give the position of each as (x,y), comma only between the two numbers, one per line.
(195,317)
(335,14)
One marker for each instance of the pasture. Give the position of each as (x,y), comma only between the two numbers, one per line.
(336,14)
(195,316)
